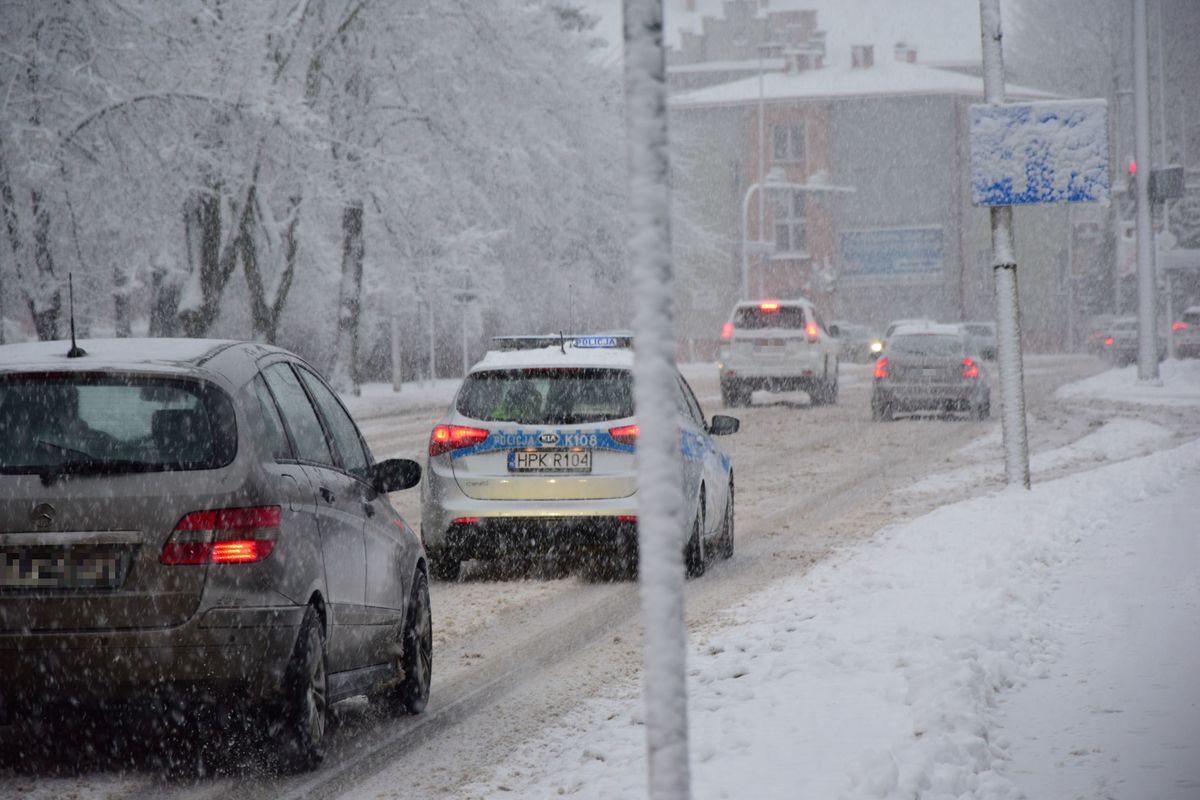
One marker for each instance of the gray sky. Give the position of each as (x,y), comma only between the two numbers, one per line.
(939,29)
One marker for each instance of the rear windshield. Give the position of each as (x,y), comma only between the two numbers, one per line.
(927,344)
(112,423)
(752,317)
(556,396)
(1192,318)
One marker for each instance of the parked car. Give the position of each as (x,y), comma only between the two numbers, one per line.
(930,368)
(778,345)
(536,456)
(1186,331)
(1120,346)
(856,341)
(200,520)
(983,338)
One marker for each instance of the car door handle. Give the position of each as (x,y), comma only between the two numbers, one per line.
(368,509)
(327,495)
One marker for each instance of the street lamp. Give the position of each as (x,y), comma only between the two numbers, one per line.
(774,179)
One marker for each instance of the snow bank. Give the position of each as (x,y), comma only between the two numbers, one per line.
(1178,385)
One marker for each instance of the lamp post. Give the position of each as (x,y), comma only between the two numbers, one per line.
(774,179)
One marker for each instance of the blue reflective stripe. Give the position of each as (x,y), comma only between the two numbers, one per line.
(691,446)
(519,440)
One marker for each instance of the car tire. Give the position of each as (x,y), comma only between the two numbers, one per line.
(416,659)
(983,410)
(727,532)
(693,554)
(305,702)
(882,412)
(734,394)
(443,565)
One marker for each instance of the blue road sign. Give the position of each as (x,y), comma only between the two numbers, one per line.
(1045,152)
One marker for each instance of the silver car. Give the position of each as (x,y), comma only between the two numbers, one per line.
(536,456)
(200,520)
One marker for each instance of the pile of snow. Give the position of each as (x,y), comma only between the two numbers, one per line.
(1039,642)
(380,400)
(1178,385)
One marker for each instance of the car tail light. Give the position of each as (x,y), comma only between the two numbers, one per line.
(1179,326)
(970,369)
(454,437)
(466,520)
(881,368)
(626,434)
(225,536)
(768,306)
(811,330)
(627,518)
(1108,342)
(727,330)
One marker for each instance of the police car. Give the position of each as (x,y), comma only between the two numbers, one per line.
(536,456)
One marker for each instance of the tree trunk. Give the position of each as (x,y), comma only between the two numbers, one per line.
(46,303)
(345,371)
(266,311)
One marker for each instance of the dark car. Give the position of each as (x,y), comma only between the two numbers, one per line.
(1120,345)
(930,368)
(200,520)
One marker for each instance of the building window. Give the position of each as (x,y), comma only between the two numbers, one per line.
(789,143)
(788,214)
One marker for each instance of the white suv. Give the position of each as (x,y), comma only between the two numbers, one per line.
(780,345)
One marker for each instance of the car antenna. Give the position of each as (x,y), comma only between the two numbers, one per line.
(76,351)
(562,342)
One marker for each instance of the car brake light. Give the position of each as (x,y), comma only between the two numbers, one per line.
(970,369)
(727,330)
(225,536)
(466,520)
(626,434)
(881,370)
(1108,342)
(454,437)
(811,330)
(627,518)
(1179,326)
(768,306)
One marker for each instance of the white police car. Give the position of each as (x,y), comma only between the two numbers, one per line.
(536,456)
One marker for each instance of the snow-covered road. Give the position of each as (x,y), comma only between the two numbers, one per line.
(518,661)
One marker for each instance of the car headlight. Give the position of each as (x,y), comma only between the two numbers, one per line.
(876,346)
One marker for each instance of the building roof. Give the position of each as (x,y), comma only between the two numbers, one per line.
(885,78)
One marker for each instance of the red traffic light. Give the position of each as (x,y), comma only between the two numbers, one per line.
(1132,167)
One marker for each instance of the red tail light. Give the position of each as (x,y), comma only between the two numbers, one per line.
(626,434)
(811,330)
(881,370)
(454,437)
(466,520)
(627,518)
(225,536)
(1179,326)
(970,369)
(727,330)
(1108,342)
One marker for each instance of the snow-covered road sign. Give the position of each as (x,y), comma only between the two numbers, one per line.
(1045,152)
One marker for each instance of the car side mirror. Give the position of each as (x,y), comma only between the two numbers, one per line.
(721,425)
(395,474)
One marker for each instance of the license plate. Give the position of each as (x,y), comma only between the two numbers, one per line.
(550,461)
(60,568)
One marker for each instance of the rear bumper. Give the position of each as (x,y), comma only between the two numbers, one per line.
(225,650)
(920,397)
(495,537)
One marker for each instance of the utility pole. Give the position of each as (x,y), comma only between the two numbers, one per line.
(396,384)
(661,526)
(1147,344)
(1004,270)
